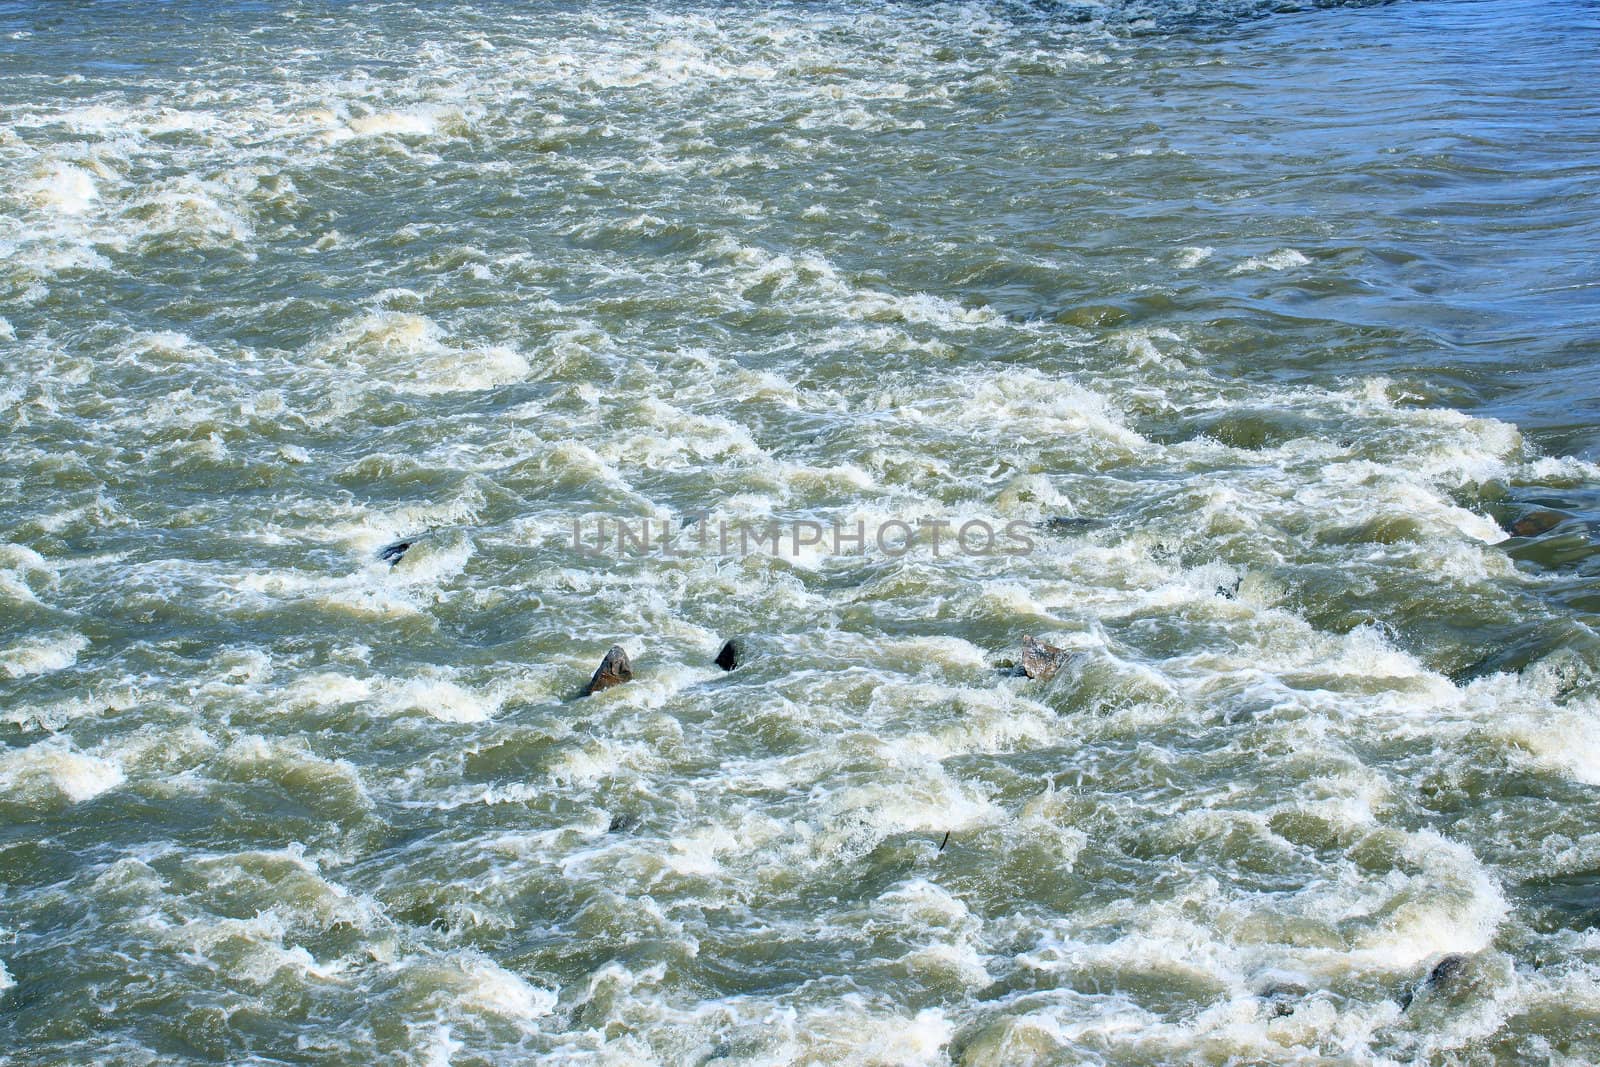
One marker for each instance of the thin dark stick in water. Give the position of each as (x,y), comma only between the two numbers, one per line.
(945,842)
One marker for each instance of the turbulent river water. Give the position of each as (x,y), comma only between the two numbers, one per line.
(1267,330)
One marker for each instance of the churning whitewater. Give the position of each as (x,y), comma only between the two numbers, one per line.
(347,348)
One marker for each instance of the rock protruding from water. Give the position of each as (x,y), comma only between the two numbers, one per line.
(1445,973)
(1447,970)
(1067,524)
(393,553)
(1283,997)
(1042,661)
(614,669)
(729,657)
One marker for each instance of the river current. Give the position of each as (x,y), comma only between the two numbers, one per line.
(335,337)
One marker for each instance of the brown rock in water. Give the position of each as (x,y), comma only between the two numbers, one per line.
(728,658)
(1040,660)
(613,670)
(1537,522)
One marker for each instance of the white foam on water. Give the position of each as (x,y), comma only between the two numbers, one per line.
(870,731)
(327,689)
(1565,740)
(855,818)
(680,439)
(811,282)
(24,573)
(443,700)
(162,760)
(853,1034)
(951,931)
(494,989)
(600,759)
(917,308)
(1041,408)
(1461,913)
(288,885)
(415,123)
(65,188)
(1282,259)
(469,984)
(54,716)
(192,213)
(336,596)
(409,352)
(333,786)
(42,655)
(1560,470)
(256,951)
(375,590)
(439,1048)
(53,772)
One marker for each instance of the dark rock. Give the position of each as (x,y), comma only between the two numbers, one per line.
(1447,969)
(1537,522)
(1042,661)
(728,657)
(614,669)
(622,822)
(394,553)
(1283,997)
(1067,523)
(1445,973)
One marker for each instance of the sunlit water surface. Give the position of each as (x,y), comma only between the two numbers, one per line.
(1293,308)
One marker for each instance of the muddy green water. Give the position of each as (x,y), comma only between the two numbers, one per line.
(1271,327)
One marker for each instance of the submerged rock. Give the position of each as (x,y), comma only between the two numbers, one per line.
(614,669)
(1042,661)
(728,657)
(1537,522)
(1093,315)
